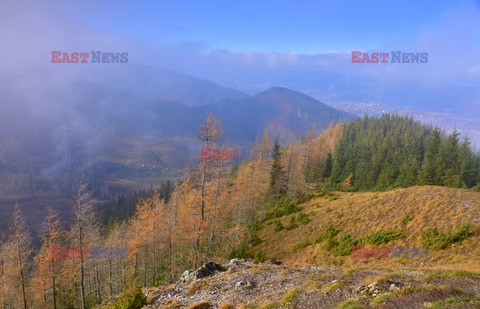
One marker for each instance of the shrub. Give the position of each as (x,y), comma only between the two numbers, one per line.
(344,246)
(255,240)
(433,239)
(378,238)
(303,218)
(259,257)
(329,233)
(293,224)
(301,245)
(330,244)
(131,298)
(285,206)
(304,197)
(406,219)
(240,251)
(278,226)
(333,198)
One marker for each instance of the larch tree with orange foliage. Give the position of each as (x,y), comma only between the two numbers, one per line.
(49,267)
(83,234)
(18,249)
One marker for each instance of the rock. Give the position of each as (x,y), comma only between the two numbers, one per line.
(208,269)
(235,262)
(240,284)
(186,276)
(249,284)
(373,284)
(392,287)
(273,262)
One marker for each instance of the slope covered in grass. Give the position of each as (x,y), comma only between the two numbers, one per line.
(402,217)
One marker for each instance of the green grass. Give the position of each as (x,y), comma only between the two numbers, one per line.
(455,301)
(351,304)
(406,290)
(455,274)
(286,301)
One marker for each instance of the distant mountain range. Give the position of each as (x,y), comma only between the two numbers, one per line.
(126,127)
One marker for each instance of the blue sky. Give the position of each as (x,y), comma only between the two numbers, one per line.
(216,39)
(264,26)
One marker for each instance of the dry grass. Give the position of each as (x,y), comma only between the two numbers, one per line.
(368,212)
(196,286)
(226,305)
(200,305)
(172,304)
(404,291)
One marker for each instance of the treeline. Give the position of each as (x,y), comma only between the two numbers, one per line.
(123,207)
(396,151)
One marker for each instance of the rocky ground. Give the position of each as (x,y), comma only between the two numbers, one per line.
(244,284)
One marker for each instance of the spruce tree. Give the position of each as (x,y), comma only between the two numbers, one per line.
(428,174)
(278,176)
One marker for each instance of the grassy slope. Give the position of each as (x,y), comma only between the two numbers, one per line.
(362,213)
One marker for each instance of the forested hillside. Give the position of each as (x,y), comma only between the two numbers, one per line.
(220,208)
(394,151)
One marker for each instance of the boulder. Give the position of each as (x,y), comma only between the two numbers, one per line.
(208,269)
